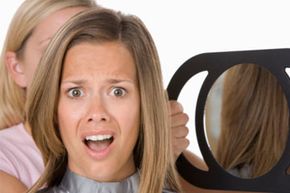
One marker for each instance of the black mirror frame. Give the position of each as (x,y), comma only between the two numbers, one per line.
(276,61)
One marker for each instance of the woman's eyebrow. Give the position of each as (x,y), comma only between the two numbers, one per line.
(111,81)
(76,81)
(115,81)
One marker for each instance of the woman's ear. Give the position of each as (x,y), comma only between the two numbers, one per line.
(15,69)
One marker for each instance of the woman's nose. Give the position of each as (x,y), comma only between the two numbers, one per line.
(97,111)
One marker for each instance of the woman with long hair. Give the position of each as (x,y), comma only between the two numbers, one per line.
(98,110)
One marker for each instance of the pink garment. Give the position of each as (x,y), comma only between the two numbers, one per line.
(19,155)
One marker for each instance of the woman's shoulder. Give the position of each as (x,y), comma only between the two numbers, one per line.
(19,156)
(10,141)
(13,131)
(16,139)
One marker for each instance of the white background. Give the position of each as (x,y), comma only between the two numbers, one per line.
(184,28)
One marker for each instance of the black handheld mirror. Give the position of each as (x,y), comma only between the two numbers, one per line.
(251,149)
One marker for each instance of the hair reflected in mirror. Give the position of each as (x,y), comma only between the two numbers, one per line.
(249,133)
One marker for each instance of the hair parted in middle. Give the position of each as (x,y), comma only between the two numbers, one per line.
(152,154)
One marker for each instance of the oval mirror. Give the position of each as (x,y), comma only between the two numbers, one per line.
(247,120)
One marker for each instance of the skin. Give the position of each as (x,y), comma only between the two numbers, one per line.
(178,128)
(22,70)
(100,81)
(10,184)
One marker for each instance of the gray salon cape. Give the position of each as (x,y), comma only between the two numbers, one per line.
(73,183)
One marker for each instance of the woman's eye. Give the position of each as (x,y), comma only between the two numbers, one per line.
(75,92)
(118,92)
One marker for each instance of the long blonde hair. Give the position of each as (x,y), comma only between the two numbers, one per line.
(255,120)
(153,154)
(27,17)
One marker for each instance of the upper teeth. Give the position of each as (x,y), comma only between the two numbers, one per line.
(98,137)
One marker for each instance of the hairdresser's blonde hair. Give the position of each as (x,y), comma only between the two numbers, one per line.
(27,17)
(255,120)
(153,154)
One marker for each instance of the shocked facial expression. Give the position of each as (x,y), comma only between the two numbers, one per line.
(99,110)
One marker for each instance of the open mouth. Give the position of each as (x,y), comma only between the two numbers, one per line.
(98,143)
